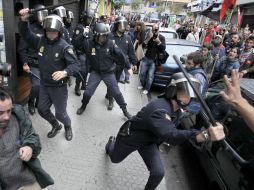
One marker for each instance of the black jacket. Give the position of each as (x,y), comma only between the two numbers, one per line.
(52,56)
(124,42)
(156,123)
(27,54)
(102,58)
(153,49)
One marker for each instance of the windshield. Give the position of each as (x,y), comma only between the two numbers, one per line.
(170,35)
(179,50)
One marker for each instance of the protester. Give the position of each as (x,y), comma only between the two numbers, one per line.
(19,149)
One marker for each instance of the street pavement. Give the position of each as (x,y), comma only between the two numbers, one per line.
(82,164)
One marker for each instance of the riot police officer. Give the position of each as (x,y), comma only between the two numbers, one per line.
(68,23)
(156,123)
(56,61)
(61,12)
(124,42)
(100,53)
(28,57)
(82,32)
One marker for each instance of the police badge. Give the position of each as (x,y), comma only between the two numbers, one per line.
(93,51)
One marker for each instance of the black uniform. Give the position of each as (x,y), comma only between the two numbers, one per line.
(125,44)
(154,124)
(53,56)
(78,43)
(66,35)
(28,55)
(101,59)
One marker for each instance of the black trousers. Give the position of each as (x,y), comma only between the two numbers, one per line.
(83,71)
(118,71)
(110,80)
(58,97)
(35,83)
(125,145)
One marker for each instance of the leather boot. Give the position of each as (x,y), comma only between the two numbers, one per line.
(68,133)
(81,109)
(77,90)
(36,102)
(111,139)
(31,107)
(83,86)
(56,127)
(110,103)
(126,113)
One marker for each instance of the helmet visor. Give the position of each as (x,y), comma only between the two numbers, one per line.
(183,85)
(41,15)
(52,24)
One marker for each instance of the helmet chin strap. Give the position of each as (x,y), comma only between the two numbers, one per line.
(181,104)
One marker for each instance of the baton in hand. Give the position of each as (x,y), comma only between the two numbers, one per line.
(32,11)
(36,76)
(207,110)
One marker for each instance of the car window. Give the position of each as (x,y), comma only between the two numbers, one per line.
(240,137)
(170,35)
(178,50)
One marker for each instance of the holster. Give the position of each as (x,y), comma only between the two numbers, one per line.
(125,129)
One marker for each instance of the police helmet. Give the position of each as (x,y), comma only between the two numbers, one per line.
(120,21)
(101,29)
(69,14)
(40,15)
(87,17)
(179,82)
(53,22)
(60,11)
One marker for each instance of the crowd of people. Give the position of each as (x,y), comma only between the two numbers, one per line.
(51,50)
(225,47)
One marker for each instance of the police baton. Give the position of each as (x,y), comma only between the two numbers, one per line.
(36,76)
(31,11)
(208,111)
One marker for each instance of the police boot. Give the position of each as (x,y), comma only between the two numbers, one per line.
(31,107)
(77,90)
(68,133)
(126,113)
(56,127)
(81,109)
(110,103)
(83,86)
(36,102)
(111,139)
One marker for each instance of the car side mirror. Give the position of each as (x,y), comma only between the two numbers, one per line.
(183,59)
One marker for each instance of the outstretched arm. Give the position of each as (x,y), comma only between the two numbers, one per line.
(233,96)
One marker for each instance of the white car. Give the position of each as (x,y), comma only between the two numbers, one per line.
(168,33)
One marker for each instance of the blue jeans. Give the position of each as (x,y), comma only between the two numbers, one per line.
(146,73)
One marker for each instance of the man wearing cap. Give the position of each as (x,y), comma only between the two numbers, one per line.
(56,61)
(156,123)
(218,50)
(19,148)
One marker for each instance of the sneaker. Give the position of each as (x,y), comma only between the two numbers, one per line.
(140,87)
(145,92)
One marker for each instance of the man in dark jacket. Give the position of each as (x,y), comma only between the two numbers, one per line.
(123,41)
(156,123)
(155,44)
(28,57)
(56,61)
(19,148)
(101,54)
